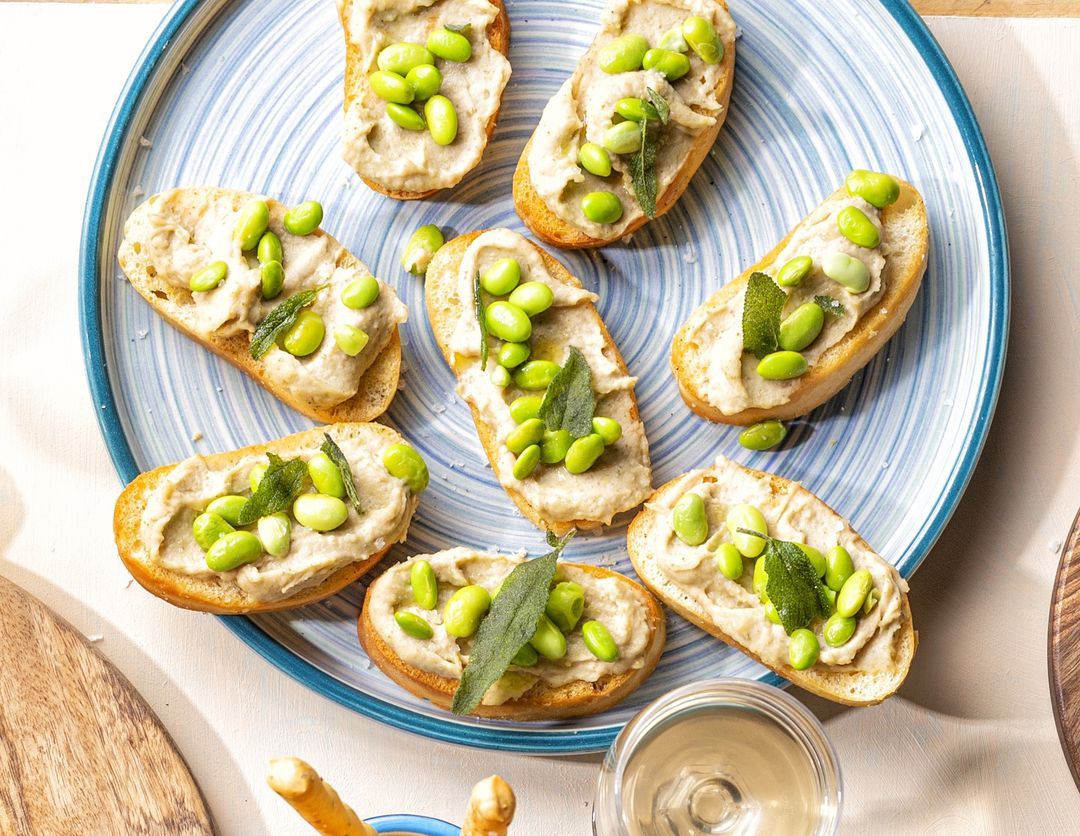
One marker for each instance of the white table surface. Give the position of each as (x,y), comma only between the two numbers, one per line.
(967,747)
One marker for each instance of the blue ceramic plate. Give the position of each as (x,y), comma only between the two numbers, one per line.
(247,95)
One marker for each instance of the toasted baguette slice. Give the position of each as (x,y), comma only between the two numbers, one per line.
(905,240)
(377,386)
(444,303)
(549,227)
(215,594)
(850,687)
(541,701)
(356,84)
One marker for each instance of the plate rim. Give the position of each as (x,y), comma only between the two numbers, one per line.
(476,734)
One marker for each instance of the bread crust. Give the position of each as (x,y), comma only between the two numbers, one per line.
(210,594)
(498,35)
(836,366)
(550,228)
(843,687)
(541,702)
(377,386)
(442,299)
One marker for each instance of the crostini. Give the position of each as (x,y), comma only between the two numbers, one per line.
(790,332)
(805,596)
(265,288)
(270,526)
(600,638)
(552,400)
(620,141)
(423,88)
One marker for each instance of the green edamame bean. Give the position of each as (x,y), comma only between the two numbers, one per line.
(390,87)
(271,278)
(421,248)
(602,207)
(636,110)
(501,277)
(325,475)
(607,428)
(555,445)
(794,271)
(857,227)
(304,218)
(526,463)
(350,339)
(442,119)
(413,625)
(449,45)
(548,640)
(208,528)
(401,58)
(750,518)
(209,277)
(403,462)
(255,475)
(275,533)
(251,223)
(763,436)
(305,335)
(761,580)
(425,81)
(816,558)
(525,407)
(532,297)
(673,65)
(772,614)
(875,188)
(536,375)
(526,657)
(508,322)
(689,519)
(853,593)
(320,512)
(624,138)
(233,550)
(269,249)
(803,649)
(802,327)
(838,568)
(782,365)
(512,355)
(871,601)
(595,159)
(525,435)
(228,508)
(843,269)
(729,561)
(583,453)
(360,293)
(425,586)
(500,377)
(406,117)
(565,604)
(462,613)
(700,34)
(598,640)
(838,629)
(673,40)
(623,54)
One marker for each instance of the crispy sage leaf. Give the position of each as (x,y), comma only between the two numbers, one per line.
(761,314)
(643,170)
(794,587)
(829,305)
(663,109)
(280,320)
(569,402)
(333,452)
(280,485)
(478,306)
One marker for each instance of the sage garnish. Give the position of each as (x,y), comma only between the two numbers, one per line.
(829,305)
(569,402)
(280,485)
(280,320)
(663,109)
(794,587)
(333,452)
(509,624)
(762,304)
(478,306)
(643,170)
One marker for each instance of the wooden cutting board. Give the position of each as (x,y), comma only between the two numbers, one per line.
(1064,649)
(80,751)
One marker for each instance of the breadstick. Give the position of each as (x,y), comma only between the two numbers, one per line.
(314,799)
(491,808)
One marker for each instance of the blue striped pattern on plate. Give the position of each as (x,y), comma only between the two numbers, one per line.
(248,95)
